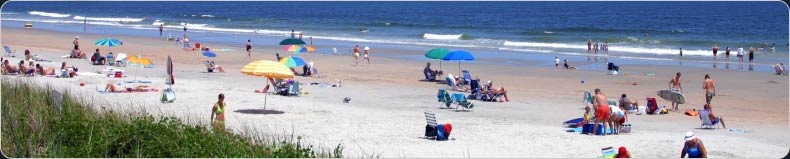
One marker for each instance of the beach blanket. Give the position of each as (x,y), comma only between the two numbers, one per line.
(573,122)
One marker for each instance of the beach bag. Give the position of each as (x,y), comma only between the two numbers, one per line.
(447,129)
(440,133)
(652,106)
(430,131)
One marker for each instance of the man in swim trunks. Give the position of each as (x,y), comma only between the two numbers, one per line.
(740,54)
(249,47)
(727,53)
(675,86)
(715,50)
(589,45)
(219,111)
(710,89)
(616,119)
(356,55)
(751,54)
(601,110)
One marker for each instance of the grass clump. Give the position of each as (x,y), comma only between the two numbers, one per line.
(35,125)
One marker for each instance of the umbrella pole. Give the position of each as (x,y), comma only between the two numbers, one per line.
(459,68)
(440,64)
(264,97)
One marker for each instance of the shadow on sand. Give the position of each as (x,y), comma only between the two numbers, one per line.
(259,111)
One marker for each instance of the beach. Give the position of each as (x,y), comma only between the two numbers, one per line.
(385,116)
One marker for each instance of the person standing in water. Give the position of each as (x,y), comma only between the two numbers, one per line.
(740,54)
(715,50)
(751,53)
(249,47)
(589,45)
(218,111)
(681,52)
(595,47)
(161,27)
(773,48)
(727,54)
(606,47)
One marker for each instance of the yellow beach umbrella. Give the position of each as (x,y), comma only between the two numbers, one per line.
(268,69)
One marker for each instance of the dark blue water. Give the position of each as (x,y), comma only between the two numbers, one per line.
(633,29)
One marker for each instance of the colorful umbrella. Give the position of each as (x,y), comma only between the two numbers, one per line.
(293,47)
(292,61)
(300,50)
(209,54)
(310,48)
(268,69)
(108,42)
(437,53)
(459,55)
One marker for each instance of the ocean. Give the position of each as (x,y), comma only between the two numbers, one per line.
(647,31)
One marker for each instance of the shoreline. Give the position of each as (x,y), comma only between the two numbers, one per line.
(387,98)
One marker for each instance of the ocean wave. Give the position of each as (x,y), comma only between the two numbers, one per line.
(628,49)
(47,14)
(109,19)
(75,22)
(207,15)
(442,37)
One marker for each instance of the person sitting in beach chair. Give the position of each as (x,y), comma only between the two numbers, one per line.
(306,70)
(496,94)
(451,82)
(97,59)
(210,66)
(467,78)
(568,66)
(476,90)
(293,89)
(708,119)
(76,54)
(430,74)
(627,104)
(613,69)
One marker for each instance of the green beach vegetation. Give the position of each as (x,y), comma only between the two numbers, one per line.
(35,125)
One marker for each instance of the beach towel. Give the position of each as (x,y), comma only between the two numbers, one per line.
(573,122)
(608,152)
(691,112)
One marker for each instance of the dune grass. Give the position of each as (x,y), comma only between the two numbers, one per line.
(34,125)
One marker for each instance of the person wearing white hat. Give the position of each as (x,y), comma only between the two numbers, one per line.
(367,54)
(693,147)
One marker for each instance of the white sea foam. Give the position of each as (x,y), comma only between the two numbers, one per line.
(629,49)
(207,15)
(442,37)
(109,19)
(548,32)
(47,14)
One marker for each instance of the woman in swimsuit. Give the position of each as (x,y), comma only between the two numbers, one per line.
(356,55)
(693,147)
(249,47)
(219,111)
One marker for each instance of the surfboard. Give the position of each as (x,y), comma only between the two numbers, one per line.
(671,96)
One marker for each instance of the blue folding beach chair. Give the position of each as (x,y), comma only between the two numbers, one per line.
(460,98)
(467,77)
(444,97)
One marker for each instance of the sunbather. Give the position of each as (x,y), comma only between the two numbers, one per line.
(30,70)
(714,118)
(567,66)
(8,68)
(113,89)
(68,71)
(215,66)
(627,104)
(76,54)
(28,57)
(42,71)
(497,92)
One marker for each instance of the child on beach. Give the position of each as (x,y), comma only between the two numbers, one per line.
(556,62)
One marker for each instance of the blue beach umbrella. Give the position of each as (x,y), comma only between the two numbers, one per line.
(300,50)
(110,42)
(209,54)
(459,55)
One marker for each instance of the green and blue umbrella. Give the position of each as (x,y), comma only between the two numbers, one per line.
(292,41)
(292,61)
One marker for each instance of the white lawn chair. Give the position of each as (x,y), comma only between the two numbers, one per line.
(706,122)
(8,51)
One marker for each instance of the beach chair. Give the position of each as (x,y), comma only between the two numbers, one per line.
(444,97)
(460,98)
(613,69)
(588,98)
(475,90)
(209,69)
(430,128)
(706,122)
(8,51)
(293,89)
(467,77)
(608,152)
(168,96)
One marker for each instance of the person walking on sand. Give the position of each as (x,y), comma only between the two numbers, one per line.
(740,54)
(249,47)
(675,86)
(161,27)
(693,147)
(715,49)
(219,111)
(356,55)
(367,54)
(709,87)
(601,111)
(727,54)
(751,54)
(76,43)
